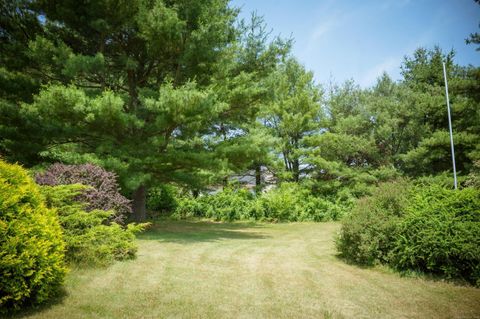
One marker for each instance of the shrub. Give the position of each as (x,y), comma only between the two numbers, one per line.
(102,194)
(292,202)
(228,205)
(161,200)
(426,228)
(188,207)
(89,241)
(31,247)
(288,202)
(283,203)
(368,233)
(440,233)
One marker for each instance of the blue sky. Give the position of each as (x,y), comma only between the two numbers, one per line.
(348,39)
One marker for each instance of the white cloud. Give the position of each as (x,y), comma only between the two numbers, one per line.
(333,20)
(322,29)
(388,65)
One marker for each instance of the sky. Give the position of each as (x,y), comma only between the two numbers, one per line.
(347,39)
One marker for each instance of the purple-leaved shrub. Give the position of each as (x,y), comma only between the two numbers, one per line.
(102,194)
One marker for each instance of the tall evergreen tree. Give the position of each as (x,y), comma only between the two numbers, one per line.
(293,113)
(423,74)
(128,85)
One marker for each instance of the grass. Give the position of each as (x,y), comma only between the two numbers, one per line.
(240,270)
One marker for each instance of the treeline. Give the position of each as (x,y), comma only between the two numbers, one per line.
(183,93)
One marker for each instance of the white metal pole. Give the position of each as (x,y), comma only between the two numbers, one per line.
(450,127)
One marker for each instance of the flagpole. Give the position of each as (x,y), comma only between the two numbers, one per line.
(450,127)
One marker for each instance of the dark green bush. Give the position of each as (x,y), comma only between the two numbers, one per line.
(441,233)
(368,233)
(89,239)
(32,264)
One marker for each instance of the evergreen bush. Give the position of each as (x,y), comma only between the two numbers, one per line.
(89,240)
(32,264)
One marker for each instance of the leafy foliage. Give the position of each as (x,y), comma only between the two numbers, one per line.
(227,205)
(425,227)
(32,264)
(440,233)
(368,233)
(288,202)
(89,241)
(103,192)
(292,202)
(161,200)
(189,207)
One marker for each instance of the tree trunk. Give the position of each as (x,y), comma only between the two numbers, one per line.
(225,182)
(296,170)
(139,204)
(258,178)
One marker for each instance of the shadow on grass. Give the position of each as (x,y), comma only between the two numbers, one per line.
(32,310)
(187,232)
(405,273)
(341,258)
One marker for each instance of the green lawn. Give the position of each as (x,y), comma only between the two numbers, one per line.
(213,270)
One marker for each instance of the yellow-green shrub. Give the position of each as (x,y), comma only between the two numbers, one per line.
(31,247)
